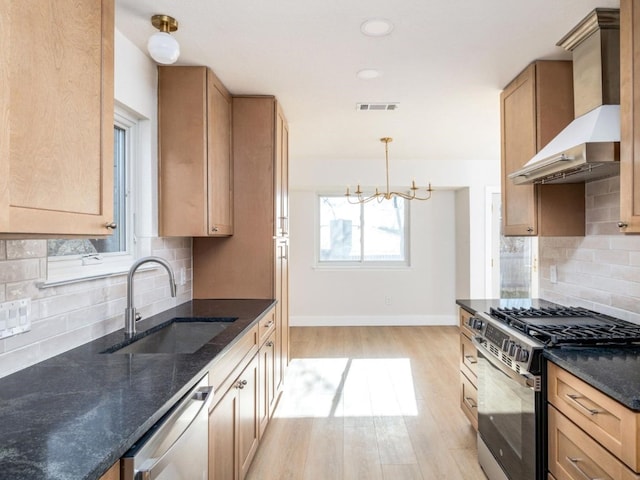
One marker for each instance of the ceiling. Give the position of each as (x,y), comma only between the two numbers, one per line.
(444,62)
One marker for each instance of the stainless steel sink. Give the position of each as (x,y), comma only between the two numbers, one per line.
(177,336)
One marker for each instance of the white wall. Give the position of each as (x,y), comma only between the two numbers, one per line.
(448,257)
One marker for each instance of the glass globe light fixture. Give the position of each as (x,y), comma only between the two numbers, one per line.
(162,47)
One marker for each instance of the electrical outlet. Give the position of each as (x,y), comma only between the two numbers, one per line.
(387,300)
(15,317)
(182,276)
(553,274)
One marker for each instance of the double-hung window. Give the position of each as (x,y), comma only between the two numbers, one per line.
(70,259)
(370,234)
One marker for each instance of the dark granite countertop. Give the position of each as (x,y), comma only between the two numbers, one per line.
(74,415)
(614,371)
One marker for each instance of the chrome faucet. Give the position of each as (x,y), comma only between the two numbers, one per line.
(130,315)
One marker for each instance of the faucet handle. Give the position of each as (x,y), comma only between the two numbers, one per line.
(138,317)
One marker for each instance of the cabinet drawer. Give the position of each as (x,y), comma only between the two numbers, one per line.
(469,400)
(607,421)
(266,326)
(574,455)
(468,359)
(464,317)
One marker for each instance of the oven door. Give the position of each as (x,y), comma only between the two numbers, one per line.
(506,416)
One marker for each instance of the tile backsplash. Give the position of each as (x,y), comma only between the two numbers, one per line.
(601,270)
(68,315)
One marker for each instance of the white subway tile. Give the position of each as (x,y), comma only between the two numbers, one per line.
(19,270)
(14,360)
(3,250)
(617,257)
(17,249)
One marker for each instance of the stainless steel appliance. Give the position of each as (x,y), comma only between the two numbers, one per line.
(177,447)
(511,385)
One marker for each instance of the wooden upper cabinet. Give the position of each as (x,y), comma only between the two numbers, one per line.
(282,174)
(629,116)
(195,167)
(534,108)
(56,117)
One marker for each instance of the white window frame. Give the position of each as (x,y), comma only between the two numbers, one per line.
(66,269)
(363,264)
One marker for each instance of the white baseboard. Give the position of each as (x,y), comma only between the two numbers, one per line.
(371,320)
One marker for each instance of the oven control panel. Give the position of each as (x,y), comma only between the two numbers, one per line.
(505,343)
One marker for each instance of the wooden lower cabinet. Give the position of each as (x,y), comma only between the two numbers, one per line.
(574,455)
(590,435)
(113,473)
(468,375)
(267,392)
(233,427)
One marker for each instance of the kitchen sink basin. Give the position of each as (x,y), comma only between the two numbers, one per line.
(177,336)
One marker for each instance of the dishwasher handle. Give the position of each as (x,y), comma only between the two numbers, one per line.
(148,469)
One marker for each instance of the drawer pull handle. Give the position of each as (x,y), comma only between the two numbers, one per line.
(471,359)
(574,398)
(268,324)
(470,403)
(574,462)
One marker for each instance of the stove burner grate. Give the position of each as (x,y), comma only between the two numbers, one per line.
(568,326)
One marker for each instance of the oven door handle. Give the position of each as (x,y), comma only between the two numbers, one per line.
(524,379)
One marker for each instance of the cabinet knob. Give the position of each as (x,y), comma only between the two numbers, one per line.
(214,229)
(241,384)
(530,229)
(269,344)
(622,224)
(111,225)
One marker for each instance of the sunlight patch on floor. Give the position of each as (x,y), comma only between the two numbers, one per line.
(348,387)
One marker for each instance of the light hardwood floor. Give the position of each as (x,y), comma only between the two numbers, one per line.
(371,403)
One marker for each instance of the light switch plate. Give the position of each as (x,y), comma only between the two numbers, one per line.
(15,317)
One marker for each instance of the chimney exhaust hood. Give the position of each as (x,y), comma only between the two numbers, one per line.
(589,147)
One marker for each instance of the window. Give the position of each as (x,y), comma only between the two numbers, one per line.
(363,234)
(81,258)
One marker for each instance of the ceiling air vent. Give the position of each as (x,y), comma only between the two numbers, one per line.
(377,106)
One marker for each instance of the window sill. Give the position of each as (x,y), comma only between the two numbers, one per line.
(93,273)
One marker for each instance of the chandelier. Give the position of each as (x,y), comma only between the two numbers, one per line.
(414,192)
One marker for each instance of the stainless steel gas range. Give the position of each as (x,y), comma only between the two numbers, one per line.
(511,384)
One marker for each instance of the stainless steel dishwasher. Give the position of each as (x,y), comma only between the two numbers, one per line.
(177,447)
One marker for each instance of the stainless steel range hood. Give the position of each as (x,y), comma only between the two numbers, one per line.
(588,148)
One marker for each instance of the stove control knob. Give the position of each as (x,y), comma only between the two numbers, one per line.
(475,323)
(505,345)
(516,352)
(523,356)
(512,348)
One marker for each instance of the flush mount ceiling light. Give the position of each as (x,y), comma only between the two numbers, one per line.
(359,197)
(376,27)
(162,47)
(368,74)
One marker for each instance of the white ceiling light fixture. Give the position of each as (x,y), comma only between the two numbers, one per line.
(359,196)
(162,47)
(376,27)
(368,74)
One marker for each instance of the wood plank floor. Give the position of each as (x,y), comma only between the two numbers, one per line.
(371,403)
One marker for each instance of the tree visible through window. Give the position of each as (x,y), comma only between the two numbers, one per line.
(371,233)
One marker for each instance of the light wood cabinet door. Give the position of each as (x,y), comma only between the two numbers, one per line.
(223,437)
(195,165)
(248,430)
(113,473)
(233,427)
(629,116)
(534,108)
(267,382)
(56,126)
